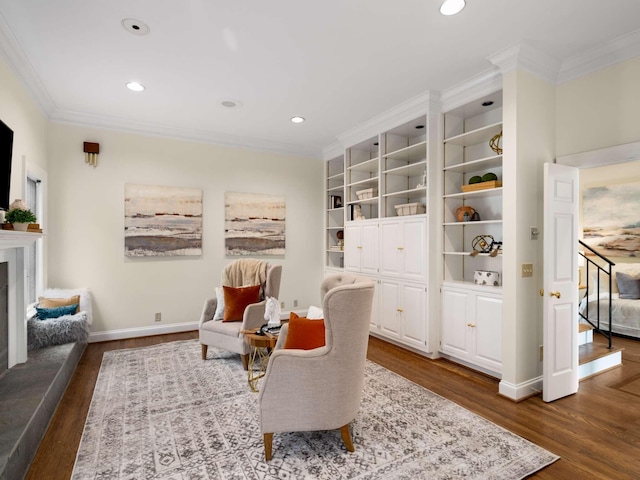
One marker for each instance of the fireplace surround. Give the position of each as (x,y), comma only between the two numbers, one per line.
(12,251)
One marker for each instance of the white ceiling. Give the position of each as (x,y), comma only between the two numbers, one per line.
(335,62)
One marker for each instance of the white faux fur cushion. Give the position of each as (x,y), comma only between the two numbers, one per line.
(56,331)
(85,298)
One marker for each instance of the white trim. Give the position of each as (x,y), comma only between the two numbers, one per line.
(619,50)
(35,172)
(627,152)
(187,134)
(136,332)
(487,82)
(393,117)
(19,63)
(335,150)
(528,59)
(599,365)
(521,390)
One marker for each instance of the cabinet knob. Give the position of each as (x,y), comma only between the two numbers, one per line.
(555,294)
(400,248)
(399,310)
(359,247)
(472,325)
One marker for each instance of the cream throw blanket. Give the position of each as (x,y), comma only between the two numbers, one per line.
(243,272)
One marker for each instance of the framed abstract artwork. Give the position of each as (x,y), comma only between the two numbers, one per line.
(254,224)
(611,219)
(162,221)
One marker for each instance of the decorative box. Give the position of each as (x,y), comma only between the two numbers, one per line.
(485,277)
(410,209)
(366,194)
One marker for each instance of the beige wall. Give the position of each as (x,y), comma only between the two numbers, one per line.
(86,222)
(528,123)
(29,125)
(599,110)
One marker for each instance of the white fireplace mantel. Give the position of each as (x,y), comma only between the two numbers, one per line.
(12,245)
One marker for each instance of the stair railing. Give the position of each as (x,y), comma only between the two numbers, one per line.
(600,269)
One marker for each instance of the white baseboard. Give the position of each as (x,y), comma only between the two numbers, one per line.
(521,390)
(142,331)
(599,365)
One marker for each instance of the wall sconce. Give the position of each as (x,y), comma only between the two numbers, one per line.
(91,151)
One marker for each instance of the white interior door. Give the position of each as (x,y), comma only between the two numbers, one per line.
(560,362)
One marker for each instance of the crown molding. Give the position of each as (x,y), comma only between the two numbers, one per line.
(15,58)
(186,134)
(622,48)
(478,86)
(393,117)
(525,57)
(627,152)
(334,150)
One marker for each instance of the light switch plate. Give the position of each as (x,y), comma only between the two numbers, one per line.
(527,269)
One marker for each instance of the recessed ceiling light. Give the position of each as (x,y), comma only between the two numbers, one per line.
(134,26)
(297,119)
(135,86)
(451,7)
(228,103)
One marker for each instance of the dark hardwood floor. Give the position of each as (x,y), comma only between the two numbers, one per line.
(596,431)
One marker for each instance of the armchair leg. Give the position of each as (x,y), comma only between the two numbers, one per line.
(204,351)
(268,442)
(346,438)
(245,361)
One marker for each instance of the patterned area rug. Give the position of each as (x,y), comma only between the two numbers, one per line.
(161,412)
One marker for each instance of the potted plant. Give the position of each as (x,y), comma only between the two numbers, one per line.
(20,216)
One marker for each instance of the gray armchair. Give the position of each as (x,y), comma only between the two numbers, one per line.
(226,335)
(321,389)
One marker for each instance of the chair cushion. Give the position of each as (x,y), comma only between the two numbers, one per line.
(59,302)
(237,299)
(304,333)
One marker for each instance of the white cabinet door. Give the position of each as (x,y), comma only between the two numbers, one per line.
(352,248)
(403,248)
(472,327)
(361,248)
(414,308)
(488,331)
(403,312)
(391,256)
(389,318)
(414,248)
(455,318)
(369,251)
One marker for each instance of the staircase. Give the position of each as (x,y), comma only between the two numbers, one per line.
(595,357)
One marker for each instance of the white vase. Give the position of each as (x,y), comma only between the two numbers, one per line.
(21,227)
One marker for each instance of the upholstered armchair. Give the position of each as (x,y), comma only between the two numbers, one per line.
(321,389)
(226,335)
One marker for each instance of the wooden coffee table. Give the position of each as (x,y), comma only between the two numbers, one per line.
(261,347)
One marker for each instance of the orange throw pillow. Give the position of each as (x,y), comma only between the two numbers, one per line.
(59,302)
(237,299)
(304,334)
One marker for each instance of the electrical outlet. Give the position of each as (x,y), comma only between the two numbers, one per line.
(295,303)
(281,304)
(527,269)
(158,317)
(541,352)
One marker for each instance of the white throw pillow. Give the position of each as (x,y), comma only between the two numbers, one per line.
(315,313)
(219,315)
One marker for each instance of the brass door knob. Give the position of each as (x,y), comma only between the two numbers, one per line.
(555,294)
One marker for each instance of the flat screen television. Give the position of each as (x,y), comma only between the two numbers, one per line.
(6,150)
